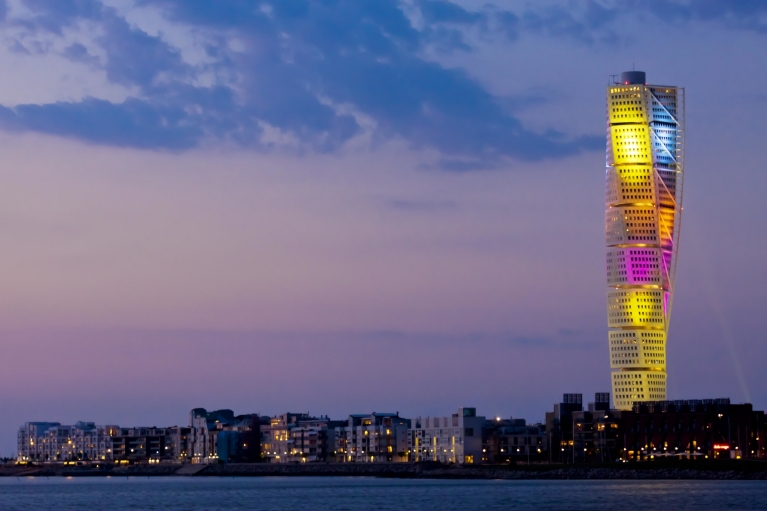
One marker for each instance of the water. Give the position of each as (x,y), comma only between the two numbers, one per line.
(352,494)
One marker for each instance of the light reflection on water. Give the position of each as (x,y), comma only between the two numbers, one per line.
(352,494)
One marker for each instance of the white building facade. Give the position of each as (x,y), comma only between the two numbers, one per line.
(53,442)
(453,439)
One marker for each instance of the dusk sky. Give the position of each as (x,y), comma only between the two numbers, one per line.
(347,206)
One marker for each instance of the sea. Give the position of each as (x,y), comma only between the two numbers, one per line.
(353,494)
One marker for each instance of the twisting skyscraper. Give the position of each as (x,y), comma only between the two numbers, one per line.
(645,169)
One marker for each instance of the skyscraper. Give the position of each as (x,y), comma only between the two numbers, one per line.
(644,173)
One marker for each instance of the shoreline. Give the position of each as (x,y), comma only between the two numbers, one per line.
(638,471)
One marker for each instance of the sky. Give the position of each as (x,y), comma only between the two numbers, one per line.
(337,207)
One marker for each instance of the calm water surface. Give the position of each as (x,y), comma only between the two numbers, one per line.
(352,494)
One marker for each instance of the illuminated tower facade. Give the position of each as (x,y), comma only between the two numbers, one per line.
(644,174)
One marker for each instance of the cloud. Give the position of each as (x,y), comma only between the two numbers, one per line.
(735,14)
(133,123)
(137,58)
(56,15)
(285,64)
(79,53)
(590,22)
(442,11)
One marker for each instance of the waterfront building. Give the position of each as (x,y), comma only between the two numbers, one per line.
(313,440)
(241,442)
(87,442)
(652,430)
(205,427)
(54,442)
(181,443)
(31,439)
(375,437)
(591,435)
(143,445)
(205,430)
(298,438)
(698,428)
(597,435)
(453,439)
(276,444)
(560,427)
(513,440)
(644,172)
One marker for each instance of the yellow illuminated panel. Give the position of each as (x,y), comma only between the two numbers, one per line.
(631,144)
(627,104)
(635,307)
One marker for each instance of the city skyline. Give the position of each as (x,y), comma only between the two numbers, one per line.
(294,208)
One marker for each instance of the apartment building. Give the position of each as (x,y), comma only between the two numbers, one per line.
(375,437)
(54,442)
(693,429)
(453,439)
(146,444)
(276,442)
(313,440)
(513,440)
(240,442)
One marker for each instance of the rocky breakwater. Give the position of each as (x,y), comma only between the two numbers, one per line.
(437,471)
(60,470)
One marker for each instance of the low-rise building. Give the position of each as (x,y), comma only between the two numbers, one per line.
(560,428)
(513,440)
(696,428)
(597,432)
(313,440)
(375,437)
(276,442)
(53,442)
(242,442)
(31,442)
(453,439)
(689,429)
(204,429)
(143,445)
(181,443)
(239,436)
